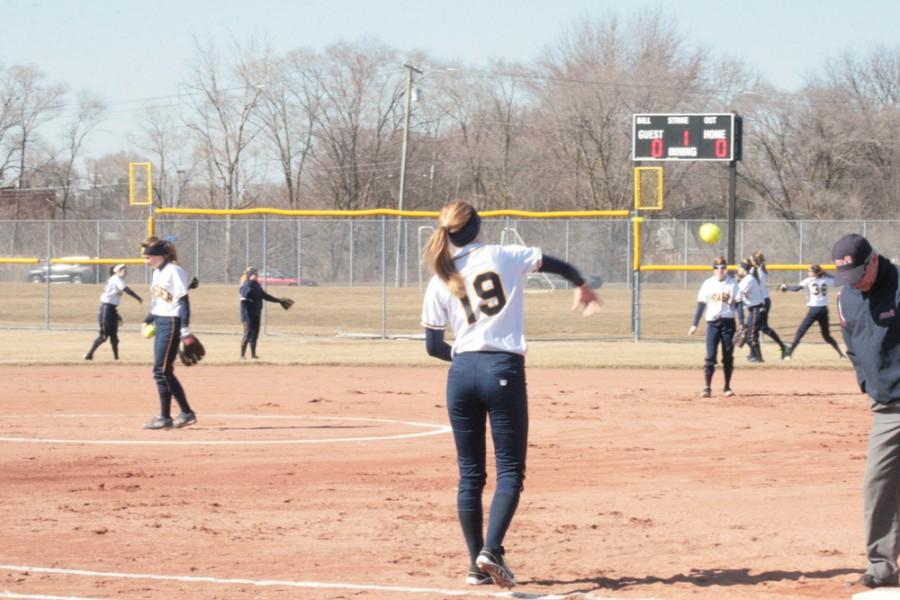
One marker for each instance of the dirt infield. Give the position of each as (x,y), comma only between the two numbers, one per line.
(336,482)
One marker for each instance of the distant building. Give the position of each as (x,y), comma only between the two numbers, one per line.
(20,205)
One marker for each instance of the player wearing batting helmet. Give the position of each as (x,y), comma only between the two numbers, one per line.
(477,290)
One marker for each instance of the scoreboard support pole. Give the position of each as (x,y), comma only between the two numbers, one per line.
(731,210)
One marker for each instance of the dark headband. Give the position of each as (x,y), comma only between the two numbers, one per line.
(468,232)
(156,249)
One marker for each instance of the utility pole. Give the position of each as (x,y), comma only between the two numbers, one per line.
(407,108)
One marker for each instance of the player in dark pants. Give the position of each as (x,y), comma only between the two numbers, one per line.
(718,298)
(170,312)
(108,314)
(477,290)
(758,262)
(816,284)
(252,297)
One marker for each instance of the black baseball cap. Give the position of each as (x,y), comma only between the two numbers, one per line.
(851,254)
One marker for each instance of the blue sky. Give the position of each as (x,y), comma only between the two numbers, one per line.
(127,51)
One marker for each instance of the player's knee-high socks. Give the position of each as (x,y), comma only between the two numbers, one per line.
(727,369)
(503,507)
(97,342)
(114,342)
(472,523)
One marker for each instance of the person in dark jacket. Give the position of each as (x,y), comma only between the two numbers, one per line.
(868,305)
(252,296)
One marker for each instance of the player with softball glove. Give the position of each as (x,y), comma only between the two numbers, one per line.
(252,298)
(169,325)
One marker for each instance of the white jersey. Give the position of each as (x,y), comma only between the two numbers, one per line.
(763,282)
(112,293)
(751,291)
(169,284)
(492,315)
(817,290)
(719,297)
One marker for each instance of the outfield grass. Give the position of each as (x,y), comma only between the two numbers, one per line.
(330,325)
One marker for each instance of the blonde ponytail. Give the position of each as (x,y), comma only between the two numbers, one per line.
(437,251)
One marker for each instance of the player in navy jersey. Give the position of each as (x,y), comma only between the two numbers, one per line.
(170,313)
(477,291)
(816,285)
(719,298)
(252,297)
(108,315)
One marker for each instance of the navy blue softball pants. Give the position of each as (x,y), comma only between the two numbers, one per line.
(484,385)
(165,349)
(815,314)
(719,332)
(108,319)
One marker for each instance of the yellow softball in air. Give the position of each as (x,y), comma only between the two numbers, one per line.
(148,330)
(710,233)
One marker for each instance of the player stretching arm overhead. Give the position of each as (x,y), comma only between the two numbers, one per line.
(477,291)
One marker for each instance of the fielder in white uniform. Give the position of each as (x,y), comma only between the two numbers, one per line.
(816,286)
(719,298)
(108,315)
(170,312)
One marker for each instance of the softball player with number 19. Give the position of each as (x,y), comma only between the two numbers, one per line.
(477,290)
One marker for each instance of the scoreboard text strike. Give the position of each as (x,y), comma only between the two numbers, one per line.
(686,137)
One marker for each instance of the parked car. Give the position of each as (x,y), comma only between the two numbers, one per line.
(276,277)
(68,273)
(548,281)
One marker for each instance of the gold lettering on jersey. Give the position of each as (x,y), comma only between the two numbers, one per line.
(723,297)
(162,293)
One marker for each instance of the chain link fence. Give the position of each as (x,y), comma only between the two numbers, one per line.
(364,275)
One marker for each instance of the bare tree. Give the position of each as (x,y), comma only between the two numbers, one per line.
(289,110)
(34,102)
(358,124)
(60,172)
(170,149)
(222,103)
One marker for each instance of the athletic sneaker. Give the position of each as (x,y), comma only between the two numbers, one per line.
(159,423)
(728,393)
(707,393)
(495,565)
(478,577)
(88,356)
(184,419)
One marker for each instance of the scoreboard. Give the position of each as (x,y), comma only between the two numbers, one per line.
(686,137)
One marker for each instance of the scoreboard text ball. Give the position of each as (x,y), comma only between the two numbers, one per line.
(686,137)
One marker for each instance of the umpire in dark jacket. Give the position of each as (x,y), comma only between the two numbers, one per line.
(252,297)
(868,307)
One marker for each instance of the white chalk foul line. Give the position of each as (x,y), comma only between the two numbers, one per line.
(283,583)
(434,430)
